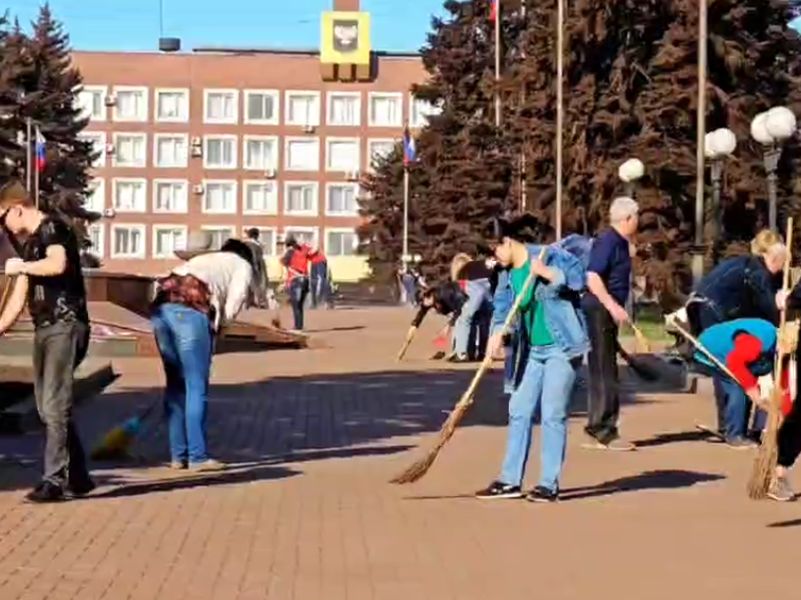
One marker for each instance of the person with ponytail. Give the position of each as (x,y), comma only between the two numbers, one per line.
(553,341)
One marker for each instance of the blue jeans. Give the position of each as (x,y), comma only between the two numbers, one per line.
(475,318)
(733,407)
(298,290)
(510,363)
(184,339)
(546,386)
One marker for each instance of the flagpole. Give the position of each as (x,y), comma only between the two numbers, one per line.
(405,215)
(523,192)
(28,155)
(697,263)
(497,63)
(559,111)
(38,168)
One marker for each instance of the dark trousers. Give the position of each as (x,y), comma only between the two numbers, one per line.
(298,290)
(603,402)
(789,437)
(57,350)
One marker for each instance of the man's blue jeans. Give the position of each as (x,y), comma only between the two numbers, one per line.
(733,406)
(184,339)
(546,386)
(475,315)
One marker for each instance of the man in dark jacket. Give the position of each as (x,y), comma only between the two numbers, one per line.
(447,299)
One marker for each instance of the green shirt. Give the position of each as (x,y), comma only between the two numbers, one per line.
(531,311)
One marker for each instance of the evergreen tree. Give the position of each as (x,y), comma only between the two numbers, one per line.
(9,106)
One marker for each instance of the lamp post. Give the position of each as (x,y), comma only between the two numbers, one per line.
(629,172)
(718,145)
(772,129)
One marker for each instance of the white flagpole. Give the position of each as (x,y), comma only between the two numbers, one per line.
(559,112)
(698,255)
(497,63)
(405,215)
(36,180)
(28,157)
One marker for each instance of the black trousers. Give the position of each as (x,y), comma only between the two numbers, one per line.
(789,437)
(603,402)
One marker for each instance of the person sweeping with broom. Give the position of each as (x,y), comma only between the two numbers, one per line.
(554,336)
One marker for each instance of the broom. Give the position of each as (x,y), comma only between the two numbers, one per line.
(407,342)
(765,463)
(115,443)
(643,345)
(419,468)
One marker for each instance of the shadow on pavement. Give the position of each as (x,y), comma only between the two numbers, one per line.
(663,479)
(674,437)
(783,524)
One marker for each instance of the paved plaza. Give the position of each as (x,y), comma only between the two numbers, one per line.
(305,511)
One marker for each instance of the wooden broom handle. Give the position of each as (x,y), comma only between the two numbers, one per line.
(702,349)
(785,286)
(11,281)
(487,362)
(407,342)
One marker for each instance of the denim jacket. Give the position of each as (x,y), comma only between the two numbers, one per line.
(740,287)
(560,300)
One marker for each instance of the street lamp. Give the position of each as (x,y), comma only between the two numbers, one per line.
(771,129)
(629,172)
(718,145)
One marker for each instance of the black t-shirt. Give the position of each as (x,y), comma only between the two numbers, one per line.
(62,297)
(475,270)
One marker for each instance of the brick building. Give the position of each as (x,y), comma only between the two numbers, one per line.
(227,139)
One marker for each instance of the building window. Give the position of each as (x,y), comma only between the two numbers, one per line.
(341,242)
(172,105)
(97,234)
(342,154)
(421,110)
(220,106)
(130,195)
(170,195)
(219,235)
(386,110)
(267,239)
(303,108)
(300,198)
(91,101)
(128,241)
(167,239)
(219,152)
(261,107)
(344,108)
(170,150)
(302,235)
(341,199)
(130,150)
(261,153)
(98,141)
(261,198)
(96,196)
(219,197)
(131,103)
(378,150)
(302,154)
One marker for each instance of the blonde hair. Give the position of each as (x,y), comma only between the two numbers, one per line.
(459,261)
(767,241)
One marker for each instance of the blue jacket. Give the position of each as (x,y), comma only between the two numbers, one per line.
(719,340)
(560,300)
(741,287)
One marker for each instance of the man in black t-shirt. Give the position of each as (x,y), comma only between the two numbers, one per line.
(49,279)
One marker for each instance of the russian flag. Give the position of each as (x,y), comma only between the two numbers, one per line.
(41,158)
(409,149)
(493,14)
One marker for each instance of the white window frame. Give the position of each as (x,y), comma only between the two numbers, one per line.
(329,98)
(206,183)
(418,123)
(289,94)
(231,229)
(276,103)
(315,210)
(370,141)
(100,250)
(273,249)
(288,140)
(155,194)
(358,163)
(397,95)
(87,135)
(103,90)
(142,231)
(229,121)
(131,88)
(234,154)
(350,230)
(260,138)
(101,185)
(116,181)
(248,182)
(162,227)
(290,230)
(183,117)
(140,134)
(157,137)
(333,184)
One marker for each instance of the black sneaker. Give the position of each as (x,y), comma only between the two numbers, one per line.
(45,492)
(500,490)
(81,488)
(542,494)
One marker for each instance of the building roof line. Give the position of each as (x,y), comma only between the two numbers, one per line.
(294,51)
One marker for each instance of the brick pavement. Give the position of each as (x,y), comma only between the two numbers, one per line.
(305,511)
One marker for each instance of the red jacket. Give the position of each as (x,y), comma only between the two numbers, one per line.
(296,261)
